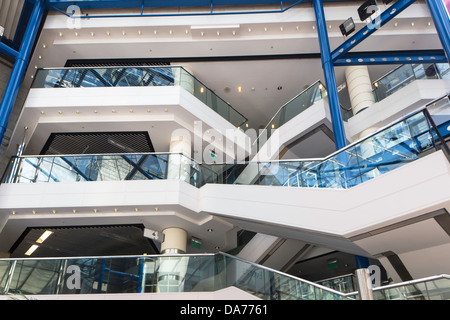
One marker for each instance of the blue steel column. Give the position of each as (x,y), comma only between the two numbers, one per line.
(442,22)
(330,78)
(20,66)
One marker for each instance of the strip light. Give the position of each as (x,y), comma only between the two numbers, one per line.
(31,250)
(44,236)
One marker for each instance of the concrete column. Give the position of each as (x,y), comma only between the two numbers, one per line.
(172,269)
(175,240)
(359,87)
(179,163)
(364,284)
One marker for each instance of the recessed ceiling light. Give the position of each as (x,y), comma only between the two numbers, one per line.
(249,29)
(44,236)
(281,28)
(31,250)
(239,89)
(210,230)
(108,33)
(170,31)
(60,34)
(92,34)
(412,24)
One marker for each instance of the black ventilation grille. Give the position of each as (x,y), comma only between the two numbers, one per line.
(98,143)
(105,63)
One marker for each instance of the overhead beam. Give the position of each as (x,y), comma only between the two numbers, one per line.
(7,50)
(386,58)
(369,29)
(105,4)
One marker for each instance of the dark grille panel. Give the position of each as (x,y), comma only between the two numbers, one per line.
(98,143)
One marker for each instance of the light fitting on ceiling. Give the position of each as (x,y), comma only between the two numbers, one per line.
(44,236)
(347,27)
(31,250)
(367,9)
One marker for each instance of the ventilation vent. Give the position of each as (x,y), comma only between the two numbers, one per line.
(115,63)
(98,143)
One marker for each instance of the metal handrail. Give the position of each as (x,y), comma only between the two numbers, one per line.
(403,284)
(324,288)
(278,111)
(142,67)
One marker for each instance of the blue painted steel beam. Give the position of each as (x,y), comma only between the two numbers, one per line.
(20,66)
(105,4)
(383,58)
(330,77)
(7,50)
(369,29)
(442,22)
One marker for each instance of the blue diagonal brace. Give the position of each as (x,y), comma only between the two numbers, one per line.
(369,29)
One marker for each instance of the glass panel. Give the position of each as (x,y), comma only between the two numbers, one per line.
(137,76)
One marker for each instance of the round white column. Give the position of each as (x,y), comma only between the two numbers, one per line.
(175,240)
(359,87)
(172,269)
(179,163)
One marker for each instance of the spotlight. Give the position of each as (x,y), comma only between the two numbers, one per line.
(367,9)
(347,27)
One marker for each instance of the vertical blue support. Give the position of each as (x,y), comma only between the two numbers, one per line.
(20,66)
(362,262)
(330,78)
(141,288)
(442,22)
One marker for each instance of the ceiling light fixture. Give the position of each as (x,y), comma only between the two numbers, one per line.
(44,236)
(31,250)
(347,27)
(367,9)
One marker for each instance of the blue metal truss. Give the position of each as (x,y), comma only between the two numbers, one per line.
(369,29)
(103,4)
(378,58)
